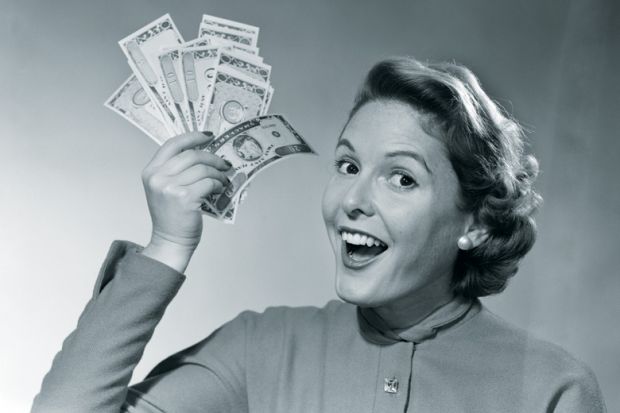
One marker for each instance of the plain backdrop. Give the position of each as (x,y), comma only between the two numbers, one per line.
(70,169)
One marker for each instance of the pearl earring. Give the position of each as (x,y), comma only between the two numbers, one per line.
(464,243)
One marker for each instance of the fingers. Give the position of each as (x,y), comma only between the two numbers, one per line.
(181,197)
(199,172)
(191,157)
(178,144)
(200,190)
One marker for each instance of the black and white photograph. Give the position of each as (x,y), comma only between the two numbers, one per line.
(310,206)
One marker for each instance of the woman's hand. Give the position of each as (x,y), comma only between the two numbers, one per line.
(176,181)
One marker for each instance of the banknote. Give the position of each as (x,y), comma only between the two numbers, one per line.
(217,41)
(229,216)
(172,68)
(199,66)
(142,49)
(208,20)
(237,36)
(267,101)
(250,147)
(246,64)
(236,97)
(131,102)
(217,83)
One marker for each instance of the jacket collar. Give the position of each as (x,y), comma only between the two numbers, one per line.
(376,330)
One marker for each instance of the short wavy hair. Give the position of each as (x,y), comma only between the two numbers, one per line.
(486,149)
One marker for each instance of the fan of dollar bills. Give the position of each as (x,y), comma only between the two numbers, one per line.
(215,83)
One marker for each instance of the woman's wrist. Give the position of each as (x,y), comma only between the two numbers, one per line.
(170,253)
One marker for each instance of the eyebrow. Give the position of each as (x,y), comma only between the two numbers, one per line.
(411,154)
(345,142)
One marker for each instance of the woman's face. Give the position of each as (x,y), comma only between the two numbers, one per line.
(394,183)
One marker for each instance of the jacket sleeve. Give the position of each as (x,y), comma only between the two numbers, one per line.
(580,393)
(209,376)
(93,369)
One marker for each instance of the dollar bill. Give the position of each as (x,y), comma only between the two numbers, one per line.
(251,147)
(142,49)
(208,20)
(229,216)
(217,41)
(217,83)
(246,64)
(236,97)
(131,102)
(237,36)
(172,68)
(267,101)
(199,67)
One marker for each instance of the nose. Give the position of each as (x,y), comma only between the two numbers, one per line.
(357,199)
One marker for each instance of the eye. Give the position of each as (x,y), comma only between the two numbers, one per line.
(346,167)
(402,180)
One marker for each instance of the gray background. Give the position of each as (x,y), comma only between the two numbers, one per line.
(70,169)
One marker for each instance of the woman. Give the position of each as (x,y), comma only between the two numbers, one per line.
(430,207)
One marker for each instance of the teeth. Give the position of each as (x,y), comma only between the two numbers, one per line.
(360,239)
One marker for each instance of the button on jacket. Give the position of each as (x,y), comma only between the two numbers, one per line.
(338,358)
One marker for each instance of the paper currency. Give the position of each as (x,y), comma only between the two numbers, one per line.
(218,83)
(229,216)
(246,64)
(267,101)
(250,147)
(131,102)
(172,68)
(179,82)
(216,41)
(208,20)
(142,49)
(236,98)
(199,67)
(237,36)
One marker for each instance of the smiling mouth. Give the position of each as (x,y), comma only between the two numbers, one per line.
(360,249)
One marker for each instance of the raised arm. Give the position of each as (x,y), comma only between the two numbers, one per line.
(93,369)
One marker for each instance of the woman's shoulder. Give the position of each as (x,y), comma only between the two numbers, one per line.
(269,330)
(278,329)
(291,317)
(511,344)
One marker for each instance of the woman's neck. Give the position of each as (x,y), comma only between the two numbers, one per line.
(405,313)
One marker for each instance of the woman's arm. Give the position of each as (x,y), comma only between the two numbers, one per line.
(92,371)
(95,364)
(579,392)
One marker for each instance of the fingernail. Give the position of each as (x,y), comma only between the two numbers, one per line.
(208,134)
(227,162)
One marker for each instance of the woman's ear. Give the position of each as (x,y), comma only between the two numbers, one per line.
(478,236)
(473,237)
